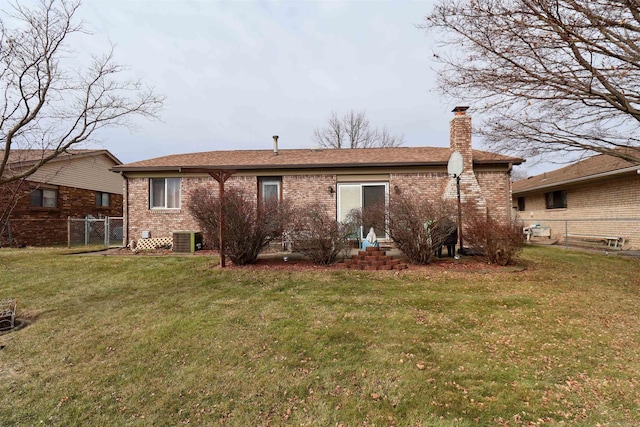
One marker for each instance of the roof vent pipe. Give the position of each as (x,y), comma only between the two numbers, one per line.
(275,145)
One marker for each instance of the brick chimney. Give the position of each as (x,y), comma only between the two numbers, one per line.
(460,140)
(460,136)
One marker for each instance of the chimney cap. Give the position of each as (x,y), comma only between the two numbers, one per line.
(460,110)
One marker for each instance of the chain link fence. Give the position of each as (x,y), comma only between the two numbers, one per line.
(107,231)
(619,233)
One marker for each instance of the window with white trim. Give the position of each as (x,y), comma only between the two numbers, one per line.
(364,196)
(269,188)
(164,193)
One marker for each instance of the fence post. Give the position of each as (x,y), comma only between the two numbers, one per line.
(86,230)
(566,234)
(68,232)
(106,231)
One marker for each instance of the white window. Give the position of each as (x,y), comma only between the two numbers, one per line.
(164,193)
(270,188)
(364,196)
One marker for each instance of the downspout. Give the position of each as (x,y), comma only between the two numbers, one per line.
(510,216)
(125,225)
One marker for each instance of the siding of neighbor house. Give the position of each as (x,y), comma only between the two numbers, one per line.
(34,226)
(589,203)
(89,173)
(76,178)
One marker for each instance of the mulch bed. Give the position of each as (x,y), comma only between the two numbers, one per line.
(277,263)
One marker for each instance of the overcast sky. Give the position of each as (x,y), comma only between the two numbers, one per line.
(236,73)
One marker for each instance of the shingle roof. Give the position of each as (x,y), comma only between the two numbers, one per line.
(595,167)
(310,158)
(17,157)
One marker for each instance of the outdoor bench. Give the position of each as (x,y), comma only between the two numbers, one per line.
(7,314)
(615,242)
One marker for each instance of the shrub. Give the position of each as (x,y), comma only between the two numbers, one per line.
(418,226)
(498,242)
(247,227)
(316,234)
(204,208)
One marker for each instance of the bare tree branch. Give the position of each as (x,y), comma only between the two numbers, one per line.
(550,76)
(353,130)
(385,139)
(47,107)
(331,136)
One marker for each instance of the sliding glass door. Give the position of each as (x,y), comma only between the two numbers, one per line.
(367,197)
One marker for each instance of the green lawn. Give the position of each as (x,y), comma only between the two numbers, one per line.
(175,340)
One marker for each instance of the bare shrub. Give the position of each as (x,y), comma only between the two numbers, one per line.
(419,227)
(247,227)
(316,234)
(498,242)
(204,208)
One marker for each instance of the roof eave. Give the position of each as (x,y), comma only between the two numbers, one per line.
(200,168)
(578,180)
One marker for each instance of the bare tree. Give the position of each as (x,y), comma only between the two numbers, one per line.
(518,173)
(385,139)
(49,105)
(353,130)
(333,135)
(550,75)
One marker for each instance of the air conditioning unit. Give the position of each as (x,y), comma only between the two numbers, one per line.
(187,241)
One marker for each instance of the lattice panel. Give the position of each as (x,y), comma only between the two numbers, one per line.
(154,243)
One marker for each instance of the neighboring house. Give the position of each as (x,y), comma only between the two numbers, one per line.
(76,184)
(157,190)
(599,196)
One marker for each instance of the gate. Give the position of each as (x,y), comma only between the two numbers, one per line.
(107,231)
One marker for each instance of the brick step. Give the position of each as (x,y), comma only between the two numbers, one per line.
(372,259)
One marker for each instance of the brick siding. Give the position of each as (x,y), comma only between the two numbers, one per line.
(300,190)
(615,198)
(35,226)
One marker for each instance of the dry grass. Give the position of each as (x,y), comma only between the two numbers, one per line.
(173,340)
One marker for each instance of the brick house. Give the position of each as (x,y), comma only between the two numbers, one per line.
(157,190)
(74,184)
(599,196)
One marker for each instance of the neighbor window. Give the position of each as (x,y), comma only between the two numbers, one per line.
(556,199)
(102,199)
(365,197)
(164,193)
(43,198)
(521,206)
